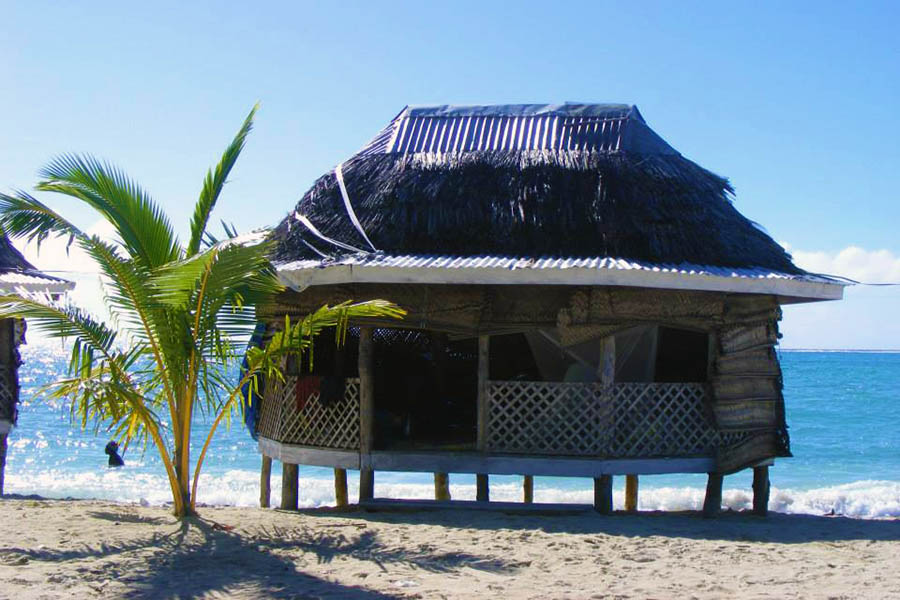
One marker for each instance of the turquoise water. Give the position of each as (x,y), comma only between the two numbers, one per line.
(843,410)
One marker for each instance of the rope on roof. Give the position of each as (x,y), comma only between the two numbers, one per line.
(349,208)
(312,228)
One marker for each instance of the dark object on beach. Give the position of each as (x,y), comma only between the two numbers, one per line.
(112,449)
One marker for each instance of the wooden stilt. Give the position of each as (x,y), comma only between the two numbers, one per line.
(482,488)
(528,489)
(441,486)
(603,496)
(366,414)
(340,487)
(265,482)
(713,501)
(631,493)
(366,485)
(289,486)
(761,491)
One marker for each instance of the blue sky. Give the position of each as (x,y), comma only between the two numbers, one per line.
(795,103)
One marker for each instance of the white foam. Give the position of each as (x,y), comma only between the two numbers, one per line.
(862,499)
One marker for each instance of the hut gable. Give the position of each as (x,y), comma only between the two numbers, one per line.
(526,181)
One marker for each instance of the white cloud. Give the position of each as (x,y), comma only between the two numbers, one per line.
(867,316)
(868,266)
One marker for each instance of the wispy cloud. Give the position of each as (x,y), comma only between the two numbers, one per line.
(868,266)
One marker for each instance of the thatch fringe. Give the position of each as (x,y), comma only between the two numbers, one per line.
(656,208)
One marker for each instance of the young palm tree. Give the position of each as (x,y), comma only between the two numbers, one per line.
(180,314)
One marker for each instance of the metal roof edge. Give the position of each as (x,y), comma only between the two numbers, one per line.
(797,289)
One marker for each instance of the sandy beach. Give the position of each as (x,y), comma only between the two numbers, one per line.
(75,549)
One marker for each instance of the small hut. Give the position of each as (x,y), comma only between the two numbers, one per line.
(16,274)
(582,301)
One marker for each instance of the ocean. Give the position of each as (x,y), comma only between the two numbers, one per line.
(843,409)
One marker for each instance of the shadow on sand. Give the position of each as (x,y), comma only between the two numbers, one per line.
(199,557)
(777,528)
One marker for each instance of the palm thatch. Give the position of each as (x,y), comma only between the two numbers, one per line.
(568,180)
(11,259)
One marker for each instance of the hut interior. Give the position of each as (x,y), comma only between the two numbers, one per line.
(582,300)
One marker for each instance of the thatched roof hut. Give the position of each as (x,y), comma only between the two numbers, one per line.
(16,274)
(567,233)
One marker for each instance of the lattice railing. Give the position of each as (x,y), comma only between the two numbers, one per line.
(287,418)
(585,419)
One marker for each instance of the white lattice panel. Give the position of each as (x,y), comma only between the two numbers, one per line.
(634,420)
(548,418)
(307,422)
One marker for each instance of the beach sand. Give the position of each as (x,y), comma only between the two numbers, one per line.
(84,549)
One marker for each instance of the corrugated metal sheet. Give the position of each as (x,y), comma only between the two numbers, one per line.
(605,128)
(33,282)
(513,263)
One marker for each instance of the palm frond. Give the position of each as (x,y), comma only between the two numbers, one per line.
(214,182)
(141,225)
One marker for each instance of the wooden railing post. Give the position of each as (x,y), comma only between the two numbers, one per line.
(366,415)
(482,493)
(265,482)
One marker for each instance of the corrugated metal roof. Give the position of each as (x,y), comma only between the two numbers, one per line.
(605,128)
(33,281)
(545,263)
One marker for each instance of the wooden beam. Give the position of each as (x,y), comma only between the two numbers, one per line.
(482,488)
(441,486)
(713,501)
(603,495)
(340,487)
(607,365)
(761,491)
(265,482)
(528,489)
(631,493)
(366,414)
(289,486)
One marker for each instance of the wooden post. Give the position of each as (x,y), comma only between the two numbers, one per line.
(340,487)
(265,482)
(439,343)
(289,486)
(528,489)
(2,460)
(366,415)
(603,496)
(482,488)
(761,491)
(631,493)
(713,501)
(482,493)
(8,369)
(441,486)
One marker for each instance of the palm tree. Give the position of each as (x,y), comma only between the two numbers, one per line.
(180,314)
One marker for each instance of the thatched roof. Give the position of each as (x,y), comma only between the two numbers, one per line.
(16,273)
(572,180)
